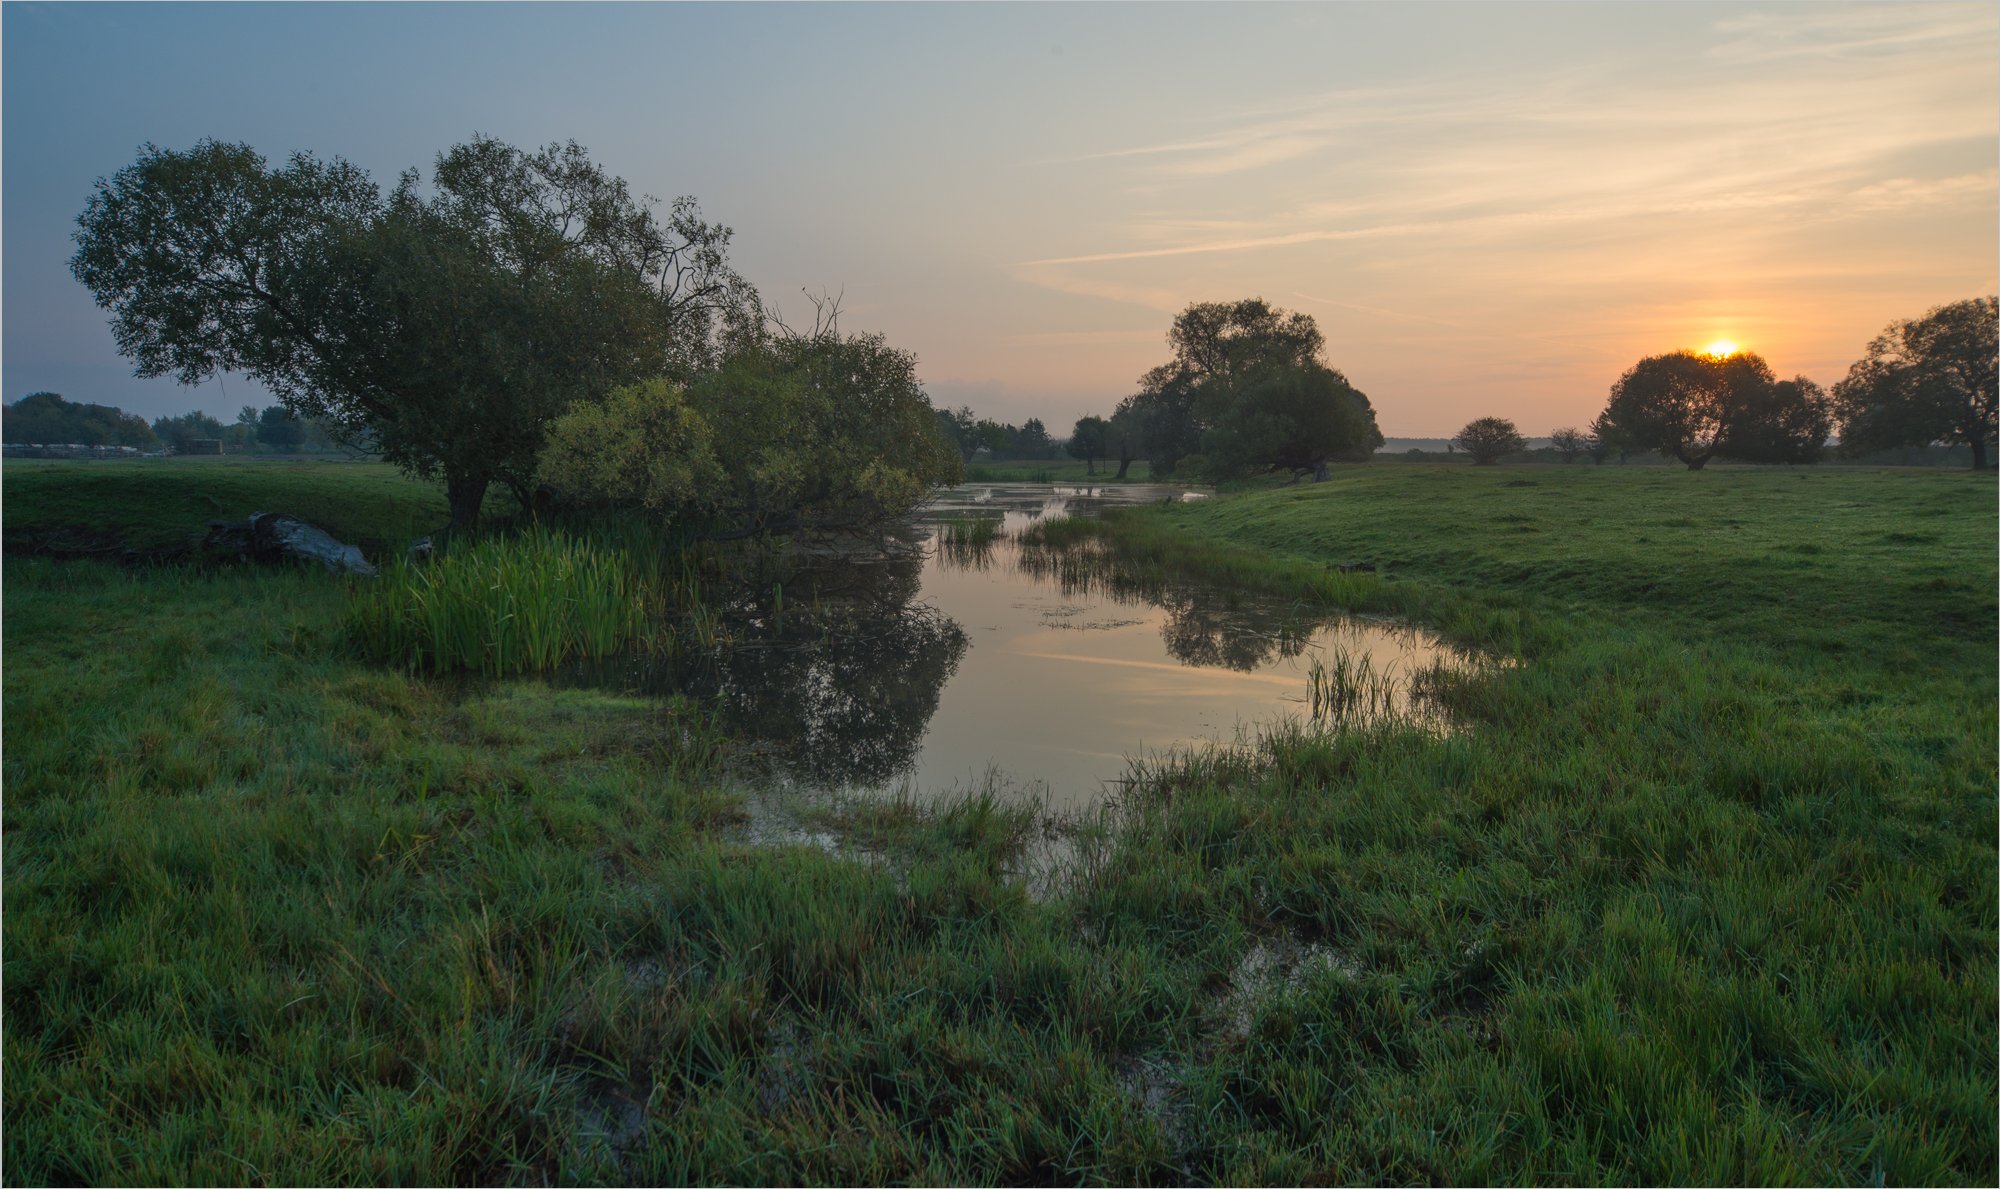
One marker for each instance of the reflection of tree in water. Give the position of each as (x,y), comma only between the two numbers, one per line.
(1209,628)
(848,709)
(845,681)
(1205,626)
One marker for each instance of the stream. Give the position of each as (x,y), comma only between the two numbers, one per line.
(966,661)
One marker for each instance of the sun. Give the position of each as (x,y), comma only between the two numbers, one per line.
(1720,348)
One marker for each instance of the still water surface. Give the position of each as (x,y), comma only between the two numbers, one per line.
(962,664)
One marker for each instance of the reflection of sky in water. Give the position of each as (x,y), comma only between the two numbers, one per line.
(1048,676)
(1064,680)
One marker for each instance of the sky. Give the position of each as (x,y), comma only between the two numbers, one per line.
(1490,209)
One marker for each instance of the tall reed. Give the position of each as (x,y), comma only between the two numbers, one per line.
(1349,688)
(503,605)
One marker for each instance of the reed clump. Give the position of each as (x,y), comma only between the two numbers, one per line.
(503,605)
(1347,687)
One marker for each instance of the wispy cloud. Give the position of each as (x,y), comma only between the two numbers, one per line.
(1838,125)
(1849,33)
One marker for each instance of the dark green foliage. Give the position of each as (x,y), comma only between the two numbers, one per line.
(180,433)
(280,429)
(1490,439)
(1160,418)
(818,431)
(45,418)
(1248,391)
(447,325)
(1928,380)
(1032,440)
(960,429)
(1087,441)
(1698,407)
(1293,419)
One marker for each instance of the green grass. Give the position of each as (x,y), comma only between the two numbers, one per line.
(1061,470)
(162,506)
(524,603)
(1703,890)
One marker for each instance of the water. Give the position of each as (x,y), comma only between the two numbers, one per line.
(957,663)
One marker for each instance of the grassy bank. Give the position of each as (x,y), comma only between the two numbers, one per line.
(162,505)
(1704,891)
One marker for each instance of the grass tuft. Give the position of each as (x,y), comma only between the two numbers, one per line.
(503,605)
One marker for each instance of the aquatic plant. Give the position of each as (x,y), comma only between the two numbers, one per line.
(1347,688)
(966,542)
(502,605)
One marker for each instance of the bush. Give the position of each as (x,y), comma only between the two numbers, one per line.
(1489,439)
(502,606)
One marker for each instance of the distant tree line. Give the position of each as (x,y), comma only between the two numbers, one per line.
(1928,381)
(47,418)
(969,433)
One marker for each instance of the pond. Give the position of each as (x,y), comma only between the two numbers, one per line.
(965,660)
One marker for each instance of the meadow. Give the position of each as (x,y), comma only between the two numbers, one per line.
(1702,890)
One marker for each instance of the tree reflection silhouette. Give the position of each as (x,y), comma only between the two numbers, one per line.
(1205,626)
(842,672)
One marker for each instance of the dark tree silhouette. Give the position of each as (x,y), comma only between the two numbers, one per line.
(1489,439)
(1087,441)
(1930,380)
(45,418)
(1696,407)
(1571,443)
(1247,389)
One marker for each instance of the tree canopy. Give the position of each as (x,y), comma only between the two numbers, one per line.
(45,418)
(1248,390)
(819,431)
(180,433)
(1087,441)
(446,325)
(1929,380)
(1570,442)
(1697,407)
(1489,439)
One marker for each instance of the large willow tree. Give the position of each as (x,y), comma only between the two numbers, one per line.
(444,323)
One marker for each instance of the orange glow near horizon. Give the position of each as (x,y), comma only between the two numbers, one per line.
(1721,349)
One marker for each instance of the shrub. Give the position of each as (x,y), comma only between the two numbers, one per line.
(1489,439)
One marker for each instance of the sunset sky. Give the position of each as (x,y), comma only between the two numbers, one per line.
(1490,209)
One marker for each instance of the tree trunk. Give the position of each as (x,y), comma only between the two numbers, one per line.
(465,493)
(523,495)
(1089,465)
(1978,453)
(1123,463)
